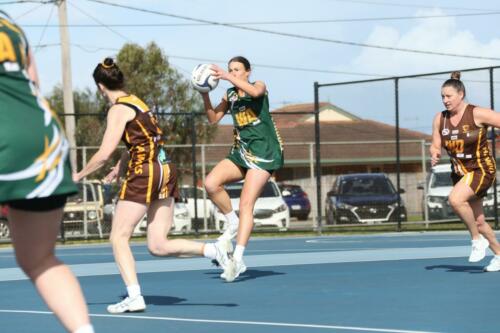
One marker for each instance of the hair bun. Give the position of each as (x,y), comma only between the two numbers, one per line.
(108,63)
(455,75)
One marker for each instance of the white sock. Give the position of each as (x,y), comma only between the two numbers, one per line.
(134,290)
(233,221)
(209,251)
(85,329)
(238,252)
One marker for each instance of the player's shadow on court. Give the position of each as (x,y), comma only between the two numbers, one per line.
(250,274)
(168,300)
(458,268)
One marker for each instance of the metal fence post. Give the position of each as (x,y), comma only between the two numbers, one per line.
(195,180)
(203,172)
(318,157)
(424,167)
(494,148)
(398,166)
(311,168)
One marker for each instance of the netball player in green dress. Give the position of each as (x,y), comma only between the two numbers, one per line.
(256,153)
(35,179)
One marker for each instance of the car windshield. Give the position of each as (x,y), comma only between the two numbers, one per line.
(366,186)
(234,190)
(188,192)
(294,190)
(441,179)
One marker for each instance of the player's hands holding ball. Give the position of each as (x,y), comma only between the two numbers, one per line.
(219,72)
(205,77)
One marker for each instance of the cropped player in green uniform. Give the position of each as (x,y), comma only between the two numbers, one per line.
(461,130)
(256,153)
(35,178)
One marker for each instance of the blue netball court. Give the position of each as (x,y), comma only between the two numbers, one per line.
(412,282)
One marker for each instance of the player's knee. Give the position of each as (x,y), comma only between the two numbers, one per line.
(455,201)
(158,249)
(480,221)
(211,186)
(33,267)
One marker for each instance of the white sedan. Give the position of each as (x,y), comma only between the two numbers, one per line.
(270,208)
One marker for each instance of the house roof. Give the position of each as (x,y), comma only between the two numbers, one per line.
(342,142)
(286,116)
(345,138)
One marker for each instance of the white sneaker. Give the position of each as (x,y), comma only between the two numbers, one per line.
(478,250)
(494,265)
(221,255)
(135,304)
(226,244)
(228,234)
(233,270)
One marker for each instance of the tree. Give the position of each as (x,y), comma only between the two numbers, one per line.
(149,76)
(90,120)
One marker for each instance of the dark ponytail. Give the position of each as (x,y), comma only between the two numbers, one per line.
(109,74)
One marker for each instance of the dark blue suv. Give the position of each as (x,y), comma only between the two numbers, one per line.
(363,198)
(297,201)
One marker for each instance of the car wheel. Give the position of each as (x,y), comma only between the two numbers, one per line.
(4,229)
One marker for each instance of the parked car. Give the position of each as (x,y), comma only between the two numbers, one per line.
(181,223)
(270,208)
(84,210)
(297,201)
(205,208)
(363,198)
(4,223)
(439,186)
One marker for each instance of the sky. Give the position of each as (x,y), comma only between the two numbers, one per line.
(291,44)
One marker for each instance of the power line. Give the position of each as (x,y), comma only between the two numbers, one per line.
(99,22)
(44,29)
(393,4)
(297,36)
(26,1)
(94,49)
(29,12)
(112,30)
(344,20)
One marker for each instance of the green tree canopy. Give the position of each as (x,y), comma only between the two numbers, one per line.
(149,76)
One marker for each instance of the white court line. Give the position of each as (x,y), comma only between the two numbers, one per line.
(238,322)
(329,241)
(262,260)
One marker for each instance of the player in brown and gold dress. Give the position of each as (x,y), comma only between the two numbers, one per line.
(461,130)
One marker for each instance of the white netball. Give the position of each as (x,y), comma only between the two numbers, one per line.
(202,78)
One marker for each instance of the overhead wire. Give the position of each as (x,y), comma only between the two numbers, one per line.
(288,22)
(35,49)
(297,36)
(26,1)
(112,30)
(407,5)
(98,21)
(29,12)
